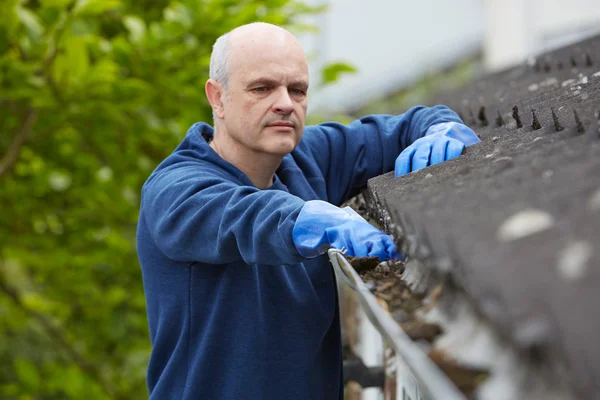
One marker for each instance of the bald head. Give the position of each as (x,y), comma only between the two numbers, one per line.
(257,29)
(233,49)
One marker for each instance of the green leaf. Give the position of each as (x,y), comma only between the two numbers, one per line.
(13,271)
(10,19)
(332,72)
(74,382)
(104,71)
(136,27)
(36,302)
(94,7)
(55,3)
(27,373)
(178,13)
(72,65)
(31,23)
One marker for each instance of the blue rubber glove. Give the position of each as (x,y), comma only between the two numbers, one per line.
(441,142)
(321,225)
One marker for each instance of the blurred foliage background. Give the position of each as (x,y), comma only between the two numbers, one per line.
(93,94)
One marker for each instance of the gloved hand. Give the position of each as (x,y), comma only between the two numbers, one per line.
(321,225)
(441,142)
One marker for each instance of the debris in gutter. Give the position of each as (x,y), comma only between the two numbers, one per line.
(467,379)
(406,308)
(363,264)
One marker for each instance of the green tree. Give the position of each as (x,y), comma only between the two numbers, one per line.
(93,94)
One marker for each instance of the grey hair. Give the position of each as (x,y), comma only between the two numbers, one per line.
(219,60)
(219,65)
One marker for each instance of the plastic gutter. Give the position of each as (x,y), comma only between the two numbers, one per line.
(433,384)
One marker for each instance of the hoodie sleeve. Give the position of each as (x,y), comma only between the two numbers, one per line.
(348,156)
(195,215)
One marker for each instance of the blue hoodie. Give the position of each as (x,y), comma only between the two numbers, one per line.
(234,311)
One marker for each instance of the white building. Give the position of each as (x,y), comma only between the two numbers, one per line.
(393,43)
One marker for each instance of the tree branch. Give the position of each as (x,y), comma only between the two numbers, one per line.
(12,155)
(54,332)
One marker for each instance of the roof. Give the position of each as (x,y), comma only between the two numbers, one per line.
(515,221)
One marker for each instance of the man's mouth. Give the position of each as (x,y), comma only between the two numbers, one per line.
(282,124)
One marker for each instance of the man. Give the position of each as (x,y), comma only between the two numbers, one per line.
(234,225)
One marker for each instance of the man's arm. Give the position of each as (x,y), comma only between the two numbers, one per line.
(350,155)
(193,215)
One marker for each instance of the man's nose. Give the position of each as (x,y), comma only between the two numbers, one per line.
(283,103)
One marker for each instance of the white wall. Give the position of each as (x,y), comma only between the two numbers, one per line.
(394,42)
(518,29)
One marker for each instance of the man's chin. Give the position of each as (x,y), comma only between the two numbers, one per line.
(280,142)
(283,148)
(282,152)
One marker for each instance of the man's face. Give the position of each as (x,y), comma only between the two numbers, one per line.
(265,107)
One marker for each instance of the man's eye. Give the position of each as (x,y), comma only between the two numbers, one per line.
(260,89)
(298,92)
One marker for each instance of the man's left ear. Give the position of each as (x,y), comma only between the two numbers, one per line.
(216,96)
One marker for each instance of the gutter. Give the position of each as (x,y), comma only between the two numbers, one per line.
(430,383)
